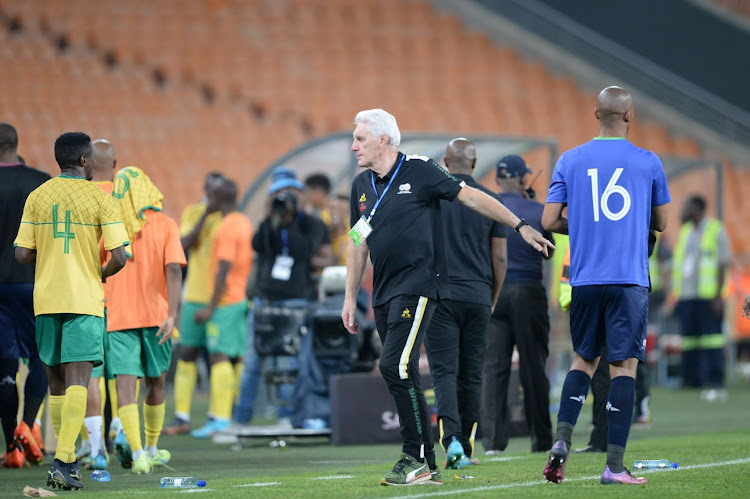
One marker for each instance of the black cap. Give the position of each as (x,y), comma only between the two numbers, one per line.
(512,166)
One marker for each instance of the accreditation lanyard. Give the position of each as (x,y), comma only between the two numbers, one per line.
(378,199)
(284,242)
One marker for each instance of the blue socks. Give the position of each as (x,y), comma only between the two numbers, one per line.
(574,392)
(620,410)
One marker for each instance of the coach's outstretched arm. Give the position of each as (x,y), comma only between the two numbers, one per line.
(553,219)
(494,209)
(356,260)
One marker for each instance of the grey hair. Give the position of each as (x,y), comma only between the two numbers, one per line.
(380,122)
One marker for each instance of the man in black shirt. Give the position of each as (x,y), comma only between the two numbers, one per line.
(455,340)
(520,318)
(17,321)
(395,214)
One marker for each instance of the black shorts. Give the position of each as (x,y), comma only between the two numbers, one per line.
(17,321)
(613,313)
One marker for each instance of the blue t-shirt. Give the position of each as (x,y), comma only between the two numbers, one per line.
(609,186)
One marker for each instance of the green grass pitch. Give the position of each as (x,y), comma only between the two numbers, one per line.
(711,442)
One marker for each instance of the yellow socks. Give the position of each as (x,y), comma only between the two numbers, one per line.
(55,412)
(185,378)
(238,368)
(72,413)
(84,432)
(131,425)
(222,390)
(112,385)
(153,420)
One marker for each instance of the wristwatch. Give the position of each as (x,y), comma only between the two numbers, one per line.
(520,224)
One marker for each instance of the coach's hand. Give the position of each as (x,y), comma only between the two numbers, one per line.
(347,315)
(165,330)
(746,307)
(203,315)
(537,241)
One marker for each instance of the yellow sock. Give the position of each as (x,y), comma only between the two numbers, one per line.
(185,378)
(238,368)
(222,390)
(84,432)
(131,425)
(137,389)
(73,412)
(153,421)
(112,385)
(55,412)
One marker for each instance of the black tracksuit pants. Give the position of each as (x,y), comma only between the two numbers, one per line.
(455,346)
(401,324)
(520,319)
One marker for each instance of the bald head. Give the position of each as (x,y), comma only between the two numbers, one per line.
(105,161)
(460,156)
(614,106)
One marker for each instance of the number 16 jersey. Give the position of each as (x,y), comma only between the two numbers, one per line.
(63,220)
(610,186)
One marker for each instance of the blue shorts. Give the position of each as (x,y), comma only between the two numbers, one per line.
(615,313)
(17,321)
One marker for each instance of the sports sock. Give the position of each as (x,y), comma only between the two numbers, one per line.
(94,429)
(185,378)
(574,392)
(150,450)
(73,413)
(131,425)
(619,418)
(39,414)
(84,431)
(153,421)
(55,412)
(238,368)
(222,390)
(8,397)
(102,396)
(112,387)
(34,390)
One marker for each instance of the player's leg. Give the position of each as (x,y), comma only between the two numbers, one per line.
(472,343)
(192,338)
(495,378)
(13,457)
(687,312)
(587,333)
(156,361)
(442,346)
(407,318)
(35,389)
(250,378)
(599,391)
(530,325)
(626,317)
(126,361)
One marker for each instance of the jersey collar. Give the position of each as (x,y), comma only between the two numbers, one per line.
(70,176)
(610,138)
(388,175)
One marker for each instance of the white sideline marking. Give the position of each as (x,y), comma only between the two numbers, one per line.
(258,484)
(362,461)
(193,491)
(333,477)
(578,479)
(501,459)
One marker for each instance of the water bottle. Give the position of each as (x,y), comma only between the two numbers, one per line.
(654,464)
(101,476)
(185,482)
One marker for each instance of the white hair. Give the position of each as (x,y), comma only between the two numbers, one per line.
(380,123)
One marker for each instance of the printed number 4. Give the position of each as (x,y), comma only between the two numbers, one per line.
(612,188)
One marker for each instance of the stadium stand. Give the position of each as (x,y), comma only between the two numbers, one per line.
(182,88)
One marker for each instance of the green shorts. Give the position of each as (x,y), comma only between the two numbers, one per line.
(192,334)
(64,338)
(226,330)
(136,352)
(104,369)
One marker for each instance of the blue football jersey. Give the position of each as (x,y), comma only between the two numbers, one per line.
(609,186)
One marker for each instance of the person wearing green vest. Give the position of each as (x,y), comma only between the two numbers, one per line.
(699,267)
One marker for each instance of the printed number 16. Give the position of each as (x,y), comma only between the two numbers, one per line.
(612,188)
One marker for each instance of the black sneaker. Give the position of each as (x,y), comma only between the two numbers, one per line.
(59,476)
(74,470)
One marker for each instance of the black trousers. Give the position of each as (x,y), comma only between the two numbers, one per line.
(702,362)
(520,319)
(455,345)
(401,323)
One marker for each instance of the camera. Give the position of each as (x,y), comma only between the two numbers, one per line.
(284,203)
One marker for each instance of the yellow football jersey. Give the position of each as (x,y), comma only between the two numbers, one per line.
(197,288)
(63,219)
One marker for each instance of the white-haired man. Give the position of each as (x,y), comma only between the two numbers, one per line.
(395,217)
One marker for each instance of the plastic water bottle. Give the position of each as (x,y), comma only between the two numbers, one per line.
(101,476)
(654,464)
(185,482)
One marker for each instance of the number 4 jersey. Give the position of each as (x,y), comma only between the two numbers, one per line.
(63,220)
(610,186)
